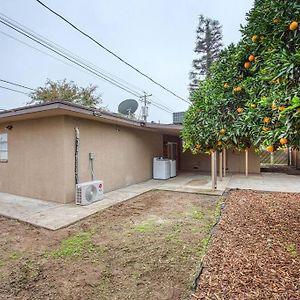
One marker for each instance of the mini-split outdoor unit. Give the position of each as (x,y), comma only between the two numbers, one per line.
(89,192)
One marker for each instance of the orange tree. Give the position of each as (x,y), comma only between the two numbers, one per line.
(252,97)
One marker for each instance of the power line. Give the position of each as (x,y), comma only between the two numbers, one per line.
(28,35)
(64,50)
(76,58)
(17,84)
(52,56)
(67,53)
(13,90)
(111,52)
(43,52)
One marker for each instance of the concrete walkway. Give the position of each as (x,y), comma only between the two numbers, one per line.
(54,216)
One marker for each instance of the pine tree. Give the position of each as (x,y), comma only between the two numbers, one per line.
(208,47)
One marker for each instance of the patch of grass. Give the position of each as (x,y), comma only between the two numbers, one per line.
(291,248)
(76,245)
(13,256)
(203,245)
(197,215)
(146,226)
(176,229)
(27,273)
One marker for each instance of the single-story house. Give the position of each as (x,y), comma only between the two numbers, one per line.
(37,150)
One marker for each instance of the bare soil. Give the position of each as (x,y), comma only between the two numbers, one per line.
(255,250)
(146,248)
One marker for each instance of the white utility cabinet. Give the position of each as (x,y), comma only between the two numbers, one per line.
(161,168)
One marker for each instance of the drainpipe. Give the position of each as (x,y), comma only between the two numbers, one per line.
(77,139)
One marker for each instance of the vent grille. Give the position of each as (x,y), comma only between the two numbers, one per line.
(79,195)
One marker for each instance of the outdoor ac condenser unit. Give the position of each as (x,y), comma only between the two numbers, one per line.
(89,192)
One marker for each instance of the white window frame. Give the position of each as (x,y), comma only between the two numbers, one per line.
(3,147)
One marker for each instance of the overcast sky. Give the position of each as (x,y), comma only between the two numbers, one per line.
(156,36)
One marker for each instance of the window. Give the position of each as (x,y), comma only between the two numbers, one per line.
(3,147)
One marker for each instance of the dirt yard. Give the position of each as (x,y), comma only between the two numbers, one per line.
(255,250)
(149,247)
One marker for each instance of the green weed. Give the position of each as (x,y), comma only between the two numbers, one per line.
(197,215)
(146,226)
(291,248)
(76,245)
(203,245)
(176,229)
(13,256)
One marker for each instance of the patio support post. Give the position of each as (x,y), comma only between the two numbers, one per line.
(247,161)
(221,165)
(213,170)
(216,168)
(224,162)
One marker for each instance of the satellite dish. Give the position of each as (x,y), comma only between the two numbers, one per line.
(128,107)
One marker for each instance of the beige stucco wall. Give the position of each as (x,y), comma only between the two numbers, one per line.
(235,162)
(35,165)
(123,155)
(41,156)
(198,162)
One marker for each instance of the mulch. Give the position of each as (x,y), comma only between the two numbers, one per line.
(255,250)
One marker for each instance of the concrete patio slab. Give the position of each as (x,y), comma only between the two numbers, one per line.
(269,182)
(194,183)
(54,216)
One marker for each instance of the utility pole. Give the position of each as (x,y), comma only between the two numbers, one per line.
(145,108)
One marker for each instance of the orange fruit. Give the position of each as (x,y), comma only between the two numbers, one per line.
(226,85)
(274,106)
(270,149)
(251,58)
(237,89)
(247,65)
(267,120)
(255,38)
(240,110)
(222,131)
(283,141)
(281,108)
(265,129)
(253,105)
(293,26)
(219,143)
(198,146)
